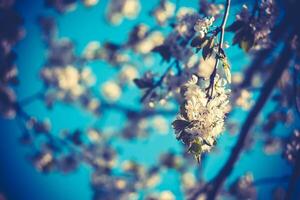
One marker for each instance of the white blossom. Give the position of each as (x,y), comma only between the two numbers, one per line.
(201,120)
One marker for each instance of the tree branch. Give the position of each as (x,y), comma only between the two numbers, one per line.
(281,65)
(293,180)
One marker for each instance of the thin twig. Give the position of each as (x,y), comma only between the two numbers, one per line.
(222,30)
(158,83)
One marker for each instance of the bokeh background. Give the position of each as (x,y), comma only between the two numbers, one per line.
(19,180)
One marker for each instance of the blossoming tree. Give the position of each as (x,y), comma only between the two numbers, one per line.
(194,91)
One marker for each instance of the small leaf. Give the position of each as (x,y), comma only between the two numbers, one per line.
(179,125)
(196,148)
(141,83)
(208,49)
(237,38)
(235,26)
(197,41)
(227,72)
(164,51)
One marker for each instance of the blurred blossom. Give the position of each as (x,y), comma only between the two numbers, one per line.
(87,77)
(161,124)
(127,74)
(243,187)
(92,50)
(39,126)
(117,10)
(43,161)
(210,9)
(237,78)
(7,102)
(183,11)
(89,3)
(164,11)
(67,80)
(151,41)
(94,135)
(244,99)
(166,195)
(272,146)
(111,91)
(188,180)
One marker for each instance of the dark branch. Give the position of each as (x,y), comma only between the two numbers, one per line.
(281,65)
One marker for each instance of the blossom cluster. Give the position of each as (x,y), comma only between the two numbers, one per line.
(201,120)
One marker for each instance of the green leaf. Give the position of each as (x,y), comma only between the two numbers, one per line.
(196,148)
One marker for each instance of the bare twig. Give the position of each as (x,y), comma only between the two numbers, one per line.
(158,83)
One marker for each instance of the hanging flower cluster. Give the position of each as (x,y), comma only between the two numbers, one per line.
(201,120)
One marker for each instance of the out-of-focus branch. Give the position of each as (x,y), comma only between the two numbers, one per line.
(271,180)
(159,82)
(136,112)
(281,65)
(38,95)
(293,180)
